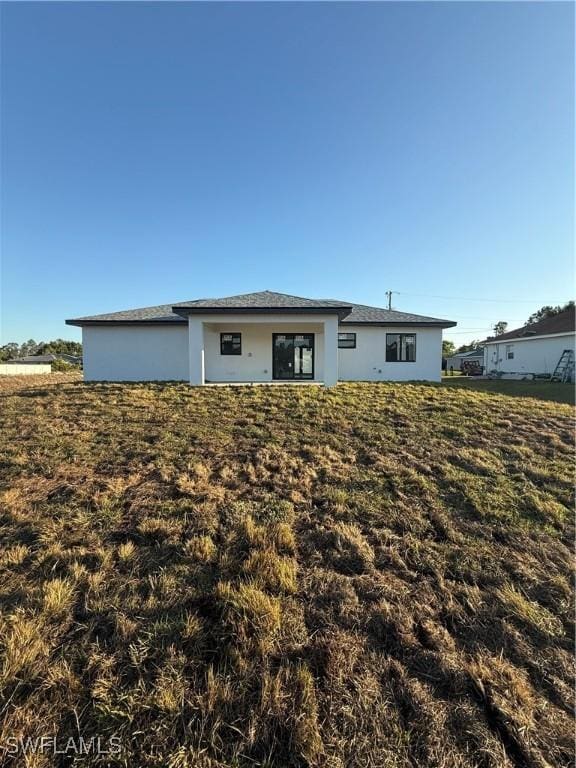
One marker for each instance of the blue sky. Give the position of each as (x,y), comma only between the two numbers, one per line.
(161,152)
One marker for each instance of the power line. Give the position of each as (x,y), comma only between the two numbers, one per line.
(455,333)
(470,298)
(479,317)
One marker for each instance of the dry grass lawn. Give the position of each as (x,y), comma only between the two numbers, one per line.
(374,575)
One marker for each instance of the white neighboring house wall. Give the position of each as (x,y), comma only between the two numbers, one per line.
(368,361)
(539,355)
(135,352)
(27,369)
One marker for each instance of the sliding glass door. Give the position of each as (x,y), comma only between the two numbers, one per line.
(292,356)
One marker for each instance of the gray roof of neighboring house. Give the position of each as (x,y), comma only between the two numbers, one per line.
(563,322)
(478,352)
(265,302)
(42,359)
(39,359)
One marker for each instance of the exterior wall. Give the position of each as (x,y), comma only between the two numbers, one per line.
(181,352)
(26,369)
(255,362)
(135,353)
(368,361)
(539,355)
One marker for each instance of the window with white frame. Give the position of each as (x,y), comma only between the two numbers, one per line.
(509,351)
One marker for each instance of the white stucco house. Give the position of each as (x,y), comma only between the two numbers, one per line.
(532,350)
(472,356)
(261,337)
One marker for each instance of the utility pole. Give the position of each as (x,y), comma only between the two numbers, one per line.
(389,295)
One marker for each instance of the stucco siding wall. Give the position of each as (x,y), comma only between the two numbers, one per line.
(255,362)
(530,355)
(26,369)
(136,353)
(161,353)
(368,361)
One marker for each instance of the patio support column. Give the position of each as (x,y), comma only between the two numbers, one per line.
(331,351)
(196,351)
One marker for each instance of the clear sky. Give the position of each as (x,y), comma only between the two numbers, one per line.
(161,152)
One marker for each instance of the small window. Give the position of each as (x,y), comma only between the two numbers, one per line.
(400,347)
(346,341)
(230,343)
(509,351)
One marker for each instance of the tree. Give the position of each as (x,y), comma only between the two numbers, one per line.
(548,311)
(448,348)
(60,346)
(500,327)
(29,347)
(8,351)
(12,350)
(62,366)
(468,347)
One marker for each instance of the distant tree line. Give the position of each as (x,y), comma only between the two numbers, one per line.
(12,350)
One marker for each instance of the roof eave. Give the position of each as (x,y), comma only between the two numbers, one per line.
(404,323)
(528,336)
(81,323)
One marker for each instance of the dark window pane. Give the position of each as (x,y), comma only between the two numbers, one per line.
(409,349)
(392,343)
(347,341)
(400,347)
(230,343)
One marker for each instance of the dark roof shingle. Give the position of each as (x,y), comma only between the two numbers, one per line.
(361,313)
(561,323)
(160,314)
(262,300)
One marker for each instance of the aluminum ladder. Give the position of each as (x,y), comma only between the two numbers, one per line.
(565,368)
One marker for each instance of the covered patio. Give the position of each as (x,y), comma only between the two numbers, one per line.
(263,349)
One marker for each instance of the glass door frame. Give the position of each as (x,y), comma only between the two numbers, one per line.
(294,377)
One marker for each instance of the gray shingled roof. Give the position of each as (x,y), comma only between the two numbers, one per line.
(563,322)
(478,352)
(261,301)
(51,358)
(160,314)
(362,313)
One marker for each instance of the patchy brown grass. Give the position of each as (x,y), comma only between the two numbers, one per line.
(375,575)
(38,381)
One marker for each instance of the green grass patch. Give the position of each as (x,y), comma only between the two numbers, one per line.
(553,391)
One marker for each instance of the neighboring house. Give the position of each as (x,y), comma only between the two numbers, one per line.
(13,369)
(533,349)
(44,359)
(261,337)
(472,356)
